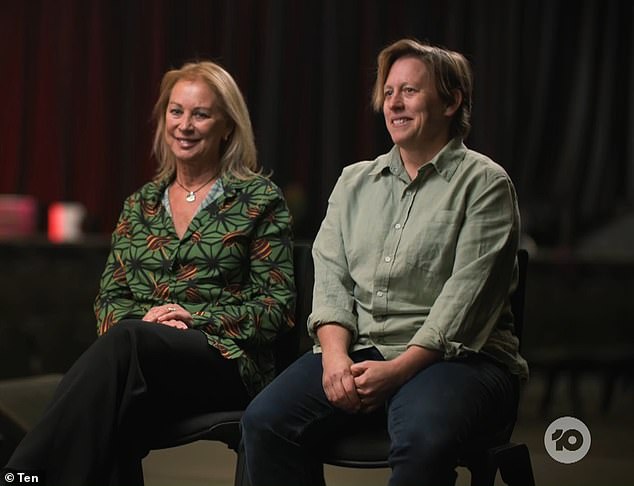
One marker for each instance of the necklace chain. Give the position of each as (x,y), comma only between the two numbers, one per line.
(191,194)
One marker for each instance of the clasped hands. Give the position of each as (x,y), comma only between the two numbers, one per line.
(172,315)
(358,387)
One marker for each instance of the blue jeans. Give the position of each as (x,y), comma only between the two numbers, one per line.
(430,419)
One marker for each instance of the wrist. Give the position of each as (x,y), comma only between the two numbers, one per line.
(333,338)
(413,360)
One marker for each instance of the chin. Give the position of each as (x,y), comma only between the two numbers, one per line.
(399,140)
(185,156)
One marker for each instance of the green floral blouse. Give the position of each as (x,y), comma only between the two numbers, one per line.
(232,270)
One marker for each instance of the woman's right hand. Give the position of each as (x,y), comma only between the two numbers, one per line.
(337,378)
(172,315)
(338,382)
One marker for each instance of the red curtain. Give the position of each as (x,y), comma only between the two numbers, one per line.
(553,94)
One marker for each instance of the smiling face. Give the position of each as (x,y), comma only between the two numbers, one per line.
(415,116)
(194,123)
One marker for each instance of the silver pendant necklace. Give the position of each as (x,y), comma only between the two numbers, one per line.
(191,194)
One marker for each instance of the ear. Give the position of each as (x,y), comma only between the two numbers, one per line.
(451,109)
(228,133)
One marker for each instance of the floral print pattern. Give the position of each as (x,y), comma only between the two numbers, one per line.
(232,270)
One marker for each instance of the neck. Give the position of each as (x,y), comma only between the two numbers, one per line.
(193,176)
(415,157)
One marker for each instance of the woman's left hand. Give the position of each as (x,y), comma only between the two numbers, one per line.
(172,315)
(375,382)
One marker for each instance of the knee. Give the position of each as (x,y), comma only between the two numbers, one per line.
(260,417)
(425,445)
(121,339)
(124,329)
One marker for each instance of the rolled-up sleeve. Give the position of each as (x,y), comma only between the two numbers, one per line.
(471,301)
(333,300)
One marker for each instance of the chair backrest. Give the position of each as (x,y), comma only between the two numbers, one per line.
(519,295)
(294,342)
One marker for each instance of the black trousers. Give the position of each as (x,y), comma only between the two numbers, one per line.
(133,379)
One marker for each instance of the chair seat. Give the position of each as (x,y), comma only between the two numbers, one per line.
(369,447)
(219,426)
(344,450)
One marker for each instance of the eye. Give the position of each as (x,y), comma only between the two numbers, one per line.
(388,92)
(409,90)
(175,112)
(201,115)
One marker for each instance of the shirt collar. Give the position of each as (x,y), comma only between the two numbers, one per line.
(445,162)
(232,185)
(390,161)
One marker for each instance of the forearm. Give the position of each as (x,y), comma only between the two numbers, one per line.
(114,300)
(110,311)
(333,339)
(337,379)
(254,322)
(413,360)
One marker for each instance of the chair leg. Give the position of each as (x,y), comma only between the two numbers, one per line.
(483,473)
(241,476)
(515,465)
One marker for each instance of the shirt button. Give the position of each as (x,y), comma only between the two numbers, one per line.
(397,225)
(379,293)
(388,259)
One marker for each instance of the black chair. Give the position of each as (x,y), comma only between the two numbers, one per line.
(368,447)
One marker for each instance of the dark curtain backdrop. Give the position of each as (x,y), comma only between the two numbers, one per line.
(554,97)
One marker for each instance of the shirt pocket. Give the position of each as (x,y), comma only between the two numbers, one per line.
(429,243)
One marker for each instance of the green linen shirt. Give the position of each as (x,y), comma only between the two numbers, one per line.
(428,262)
(232,270)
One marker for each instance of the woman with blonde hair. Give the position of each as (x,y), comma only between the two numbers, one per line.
(198,284)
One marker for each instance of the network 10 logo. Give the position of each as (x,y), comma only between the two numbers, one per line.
(567,440)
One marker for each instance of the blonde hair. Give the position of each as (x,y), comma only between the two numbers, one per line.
(450,70)
(238,155)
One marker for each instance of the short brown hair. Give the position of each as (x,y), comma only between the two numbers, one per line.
(450,70)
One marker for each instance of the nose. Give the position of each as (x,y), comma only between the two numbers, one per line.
(394,102)
(186,124)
